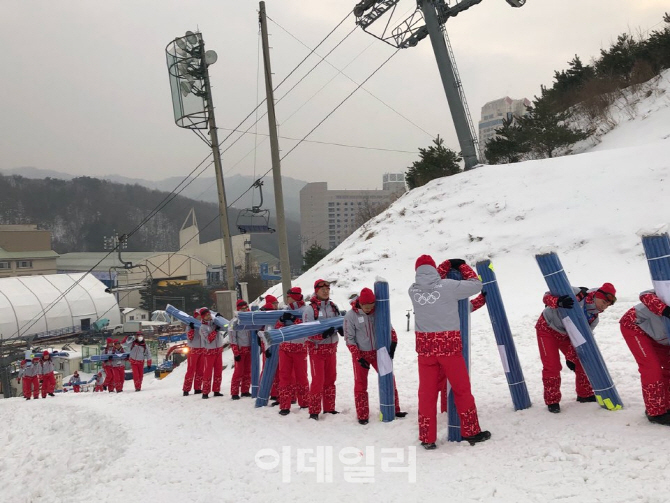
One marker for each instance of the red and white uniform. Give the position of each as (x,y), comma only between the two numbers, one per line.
(644,329)
(322,357)
(213,367)
(293,380)
(75,382)
(47,375)
(439,345)
(99,382)
(195,359)
(138,353)
(240,344)
(30,378)
(118,369)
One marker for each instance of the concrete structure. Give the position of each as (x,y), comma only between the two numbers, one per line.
(394,182)
(25,251)
(327,217)
(50,305)
(493,114)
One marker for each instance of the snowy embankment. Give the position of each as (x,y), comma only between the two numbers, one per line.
(157,444)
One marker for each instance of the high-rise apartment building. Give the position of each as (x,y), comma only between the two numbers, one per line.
(328,217)
(493,114)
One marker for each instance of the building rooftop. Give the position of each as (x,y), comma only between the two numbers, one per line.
(4,254)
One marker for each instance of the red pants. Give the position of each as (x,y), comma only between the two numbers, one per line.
(118,378)
(196,364)
(550,343)
(323,367)
(455,370)
(653,361)
(31,385)
(213,369)
(137,367)
(76,388)
(293,378)
(107,369)
(241,379)
(48,384)
(98,387)
(274,391)
(361,384)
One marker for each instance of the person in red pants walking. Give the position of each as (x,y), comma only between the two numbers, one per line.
(138,353)
(47,376)
(107,366)
(322,349)
(296,303)
(30,377)
(240,344)
(118,368)
(361,339)
(211,338)
(99,381)
(552,337)
(439,345)
(195,359)
(475,304)
(644,328)
(271,304)
(292,366)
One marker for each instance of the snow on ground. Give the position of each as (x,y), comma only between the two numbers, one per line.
(159,445)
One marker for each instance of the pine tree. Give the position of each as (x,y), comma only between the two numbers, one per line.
(435,161)
(510,145)
(313,255)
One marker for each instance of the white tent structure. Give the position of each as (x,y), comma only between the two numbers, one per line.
(55,304)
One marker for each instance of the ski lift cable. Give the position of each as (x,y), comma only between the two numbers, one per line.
(341,71)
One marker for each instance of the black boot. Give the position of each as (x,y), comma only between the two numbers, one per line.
(246,395)
(331,411)
(554,408)
(235,397)
(482,436)
(205,395)
(185,393)
(429,446)
(274,404)
(662,419)
(400,414)
(216,393)
(311,416)
(51,394)
(362,421)
(197,392)
(586,399)
(284,412)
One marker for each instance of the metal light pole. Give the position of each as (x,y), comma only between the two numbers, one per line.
(276,164)
(193,106)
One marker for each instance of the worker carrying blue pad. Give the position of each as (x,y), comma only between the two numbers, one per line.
(299,331)
(219,320)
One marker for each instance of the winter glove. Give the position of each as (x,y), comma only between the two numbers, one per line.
(148,365)
(456,263)
(364,363)
(219,315)
(392,350)
(328,332)
(565,302)
(340,331)
(570,365)
(287,317)
(268,353)
(666,312)
(238,358)
(191,326)
(483,293)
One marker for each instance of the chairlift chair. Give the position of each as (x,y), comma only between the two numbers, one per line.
(255,220)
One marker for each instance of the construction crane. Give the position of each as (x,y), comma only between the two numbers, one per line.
(428,20)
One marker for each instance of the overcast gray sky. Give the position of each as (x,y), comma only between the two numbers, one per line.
(85,87)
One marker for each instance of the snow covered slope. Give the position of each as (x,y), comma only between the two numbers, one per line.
(159,445)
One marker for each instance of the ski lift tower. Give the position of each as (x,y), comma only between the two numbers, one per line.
(188,64)
(429,19)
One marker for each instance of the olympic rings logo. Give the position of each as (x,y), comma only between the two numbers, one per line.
(426,298)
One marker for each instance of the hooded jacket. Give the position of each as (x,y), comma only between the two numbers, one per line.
(587,303)
(359,329)
(651,323)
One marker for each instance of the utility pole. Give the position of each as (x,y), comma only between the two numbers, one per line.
(220,187)
(451,84)
(276,163)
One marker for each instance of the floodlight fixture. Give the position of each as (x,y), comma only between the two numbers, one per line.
(191,38)
(181,43)
(211,57)
(185,88)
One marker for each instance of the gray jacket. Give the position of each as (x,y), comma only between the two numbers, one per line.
(435,300)
(140,352)
(118,362)
(553,316)
(359,330)
(205,330)
(241,338)
(46,366)
(325,311)
(652,324)
(32,369)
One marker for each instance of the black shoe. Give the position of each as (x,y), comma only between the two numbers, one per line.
(482,436)
(197,392)
(362,421)
(586,399)
(235,397)
(331,412)
(51,394)
(275,398)
(311,416)
(216,393)
(284,412)
(554,408)
(137,390)
(119,391)
(400,414)
(429,446)
(275,403)
(27,398)
(662,419)
(185,393)
(246,395)
(205,395)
